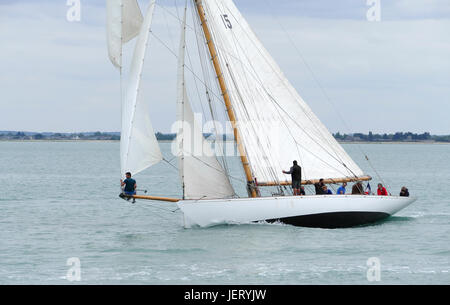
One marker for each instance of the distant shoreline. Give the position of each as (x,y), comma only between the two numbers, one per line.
(355,138)
(55,140)
(170,141)
(393,142)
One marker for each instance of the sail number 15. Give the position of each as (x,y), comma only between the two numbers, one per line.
(226,21)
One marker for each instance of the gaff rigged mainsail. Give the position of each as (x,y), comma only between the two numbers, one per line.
(275,124)
(201,174)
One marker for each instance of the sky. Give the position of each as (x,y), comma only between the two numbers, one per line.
(381,76)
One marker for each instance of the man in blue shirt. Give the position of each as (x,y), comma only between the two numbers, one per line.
(129,186)
(341,189)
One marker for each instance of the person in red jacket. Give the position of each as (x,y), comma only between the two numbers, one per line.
(381,190)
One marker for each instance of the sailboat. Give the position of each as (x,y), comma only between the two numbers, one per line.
(258,100)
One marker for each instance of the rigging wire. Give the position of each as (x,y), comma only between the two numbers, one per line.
(182,152)
(312,119)
(151,207)
(254,75)
(186,66)
(168,162)
(238,97)
(191,69)
(168,28)
(200,160)
(319,84)
(201,48)
(224,166)
(305,112)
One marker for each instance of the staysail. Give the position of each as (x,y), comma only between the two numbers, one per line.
(139,148)
(275,124)
(123,22)
(201,174)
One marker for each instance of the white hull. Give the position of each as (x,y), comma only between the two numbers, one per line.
(325,211)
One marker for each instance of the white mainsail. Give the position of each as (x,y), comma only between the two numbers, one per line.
(202,175)
(139,148)
(123,21)
(275,124)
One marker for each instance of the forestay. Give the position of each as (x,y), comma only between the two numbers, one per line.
(123,21)
(139,148)
(275,124)
(202,175)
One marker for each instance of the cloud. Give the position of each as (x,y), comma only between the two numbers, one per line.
(373,72)
(382,76)
(348,9)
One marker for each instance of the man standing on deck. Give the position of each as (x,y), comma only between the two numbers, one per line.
(130,186)
(296,177)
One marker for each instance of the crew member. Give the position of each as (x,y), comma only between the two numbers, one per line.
(326,191)
(129,185)
(319,187)
(341,189)
(404,192)
(357,189)
(296,177)
(381,190)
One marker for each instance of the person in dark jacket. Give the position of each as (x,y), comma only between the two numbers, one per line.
(326,191)
(404,192)
(357,189)
(319,187)
(296,177)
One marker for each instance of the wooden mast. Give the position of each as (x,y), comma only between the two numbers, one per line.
(226,98)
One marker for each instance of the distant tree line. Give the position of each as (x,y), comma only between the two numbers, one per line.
(115,136)
(20,135)
(165,136)
(106,136)
(392,137)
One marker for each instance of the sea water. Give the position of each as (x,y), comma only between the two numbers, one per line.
(62,222)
